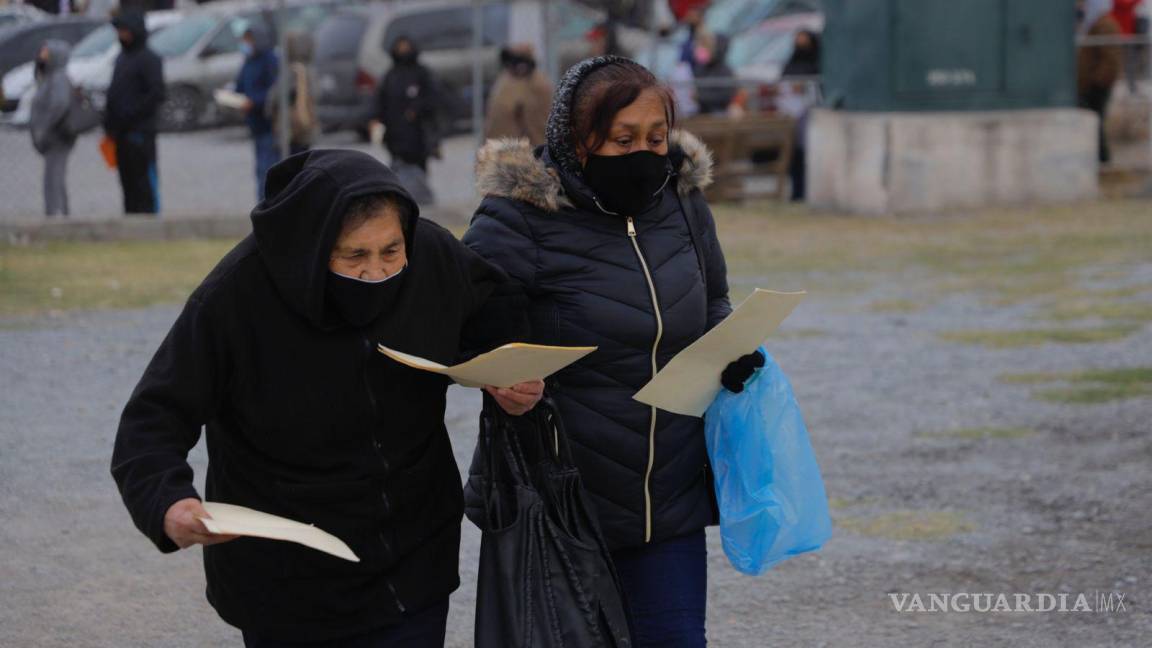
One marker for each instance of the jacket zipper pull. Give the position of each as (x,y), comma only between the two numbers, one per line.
(631,228)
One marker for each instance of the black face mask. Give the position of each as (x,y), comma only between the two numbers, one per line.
(360,302)
(405,58)
(41,68)
(627,185)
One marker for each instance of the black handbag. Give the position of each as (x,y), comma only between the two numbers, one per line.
(82,115)
(545,576)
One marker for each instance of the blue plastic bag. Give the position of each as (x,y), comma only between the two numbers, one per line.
(768,485)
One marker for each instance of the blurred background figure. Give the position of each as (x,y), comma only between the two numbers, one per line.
(256,78)
(521,98)
(715,87)
(50,107)
(408,106)
(134,98)
(1097,66)
(1126,14)
(303,125)
(797,100)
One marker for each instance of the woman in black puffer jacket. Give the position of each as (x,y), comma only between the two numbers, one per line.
(606,228)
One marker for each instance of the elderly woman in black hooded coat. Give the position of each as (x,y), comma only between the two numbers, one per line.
(275,353)
(607,230)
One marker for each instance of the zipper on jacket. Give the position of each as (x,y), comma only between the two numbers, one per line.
(655,368)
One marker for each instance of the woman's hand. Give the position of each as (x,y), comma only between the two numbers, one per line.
(182,524)
(518,399)
(736,373)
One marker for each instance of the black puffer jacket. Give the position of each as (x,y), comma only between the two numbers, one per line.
(137,88)
(588,283)
(305,419)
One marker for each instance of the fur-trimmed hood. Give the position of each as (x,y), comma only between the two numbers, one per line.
(509,168)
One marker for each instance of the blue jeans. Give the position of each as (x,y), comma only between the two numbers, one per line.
(422,629)
(267,154)
(665,590)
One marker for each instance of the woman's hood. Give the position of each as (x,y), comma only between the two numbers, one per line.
(509,168)
(59,52)
(558,131)
(300,218)
(133,21)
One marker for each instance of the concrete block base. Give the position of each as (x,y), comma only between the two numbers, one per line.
(899,162)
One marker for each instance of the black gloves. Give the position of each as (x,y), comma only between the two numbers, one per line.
(737,372)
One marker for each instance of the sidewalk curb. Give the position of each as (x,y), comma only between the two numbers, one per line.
(145,228)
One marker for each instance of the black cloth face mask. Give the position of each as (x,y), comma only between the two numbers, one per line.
(358,301)
(627,185)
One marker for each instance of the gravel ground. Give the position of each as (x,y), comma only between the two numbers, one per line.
(208,172)
(1064,509)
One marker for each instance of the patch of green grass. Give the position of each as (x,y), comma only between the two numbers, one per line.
(37,279)
(1037,337)
(1123,311)
(1088,387)
(896,306)
(908,525)
(980,433)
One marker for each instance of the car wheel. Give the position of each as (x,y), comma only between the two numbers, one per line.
(181,109)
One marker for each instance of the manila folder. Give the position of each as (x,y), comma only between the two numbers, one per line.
(690,381)
(237,520)
(508,365)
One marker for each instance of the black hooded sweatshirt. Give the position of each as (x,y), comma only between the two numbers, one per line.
(305,419)
(137,88)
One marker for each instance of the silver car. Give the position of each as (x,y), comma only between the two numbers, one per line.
(202,52)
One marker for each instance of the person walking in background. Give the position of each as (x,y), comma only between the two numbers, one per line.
(1097,66)
(407,106)
(50,106)
(134,98)
(302,121)
(1125,13)
(608,232)
(520,99)
(715,81)
(796,100)
(255,80)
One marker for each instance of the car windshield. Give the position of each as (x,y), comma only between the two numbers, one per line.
(96,43)
(339,37)
(761,47)
(177,39)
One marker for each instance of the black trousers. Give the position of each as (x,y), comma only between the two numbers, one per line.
(1096,99)
(136,160)
(420,629)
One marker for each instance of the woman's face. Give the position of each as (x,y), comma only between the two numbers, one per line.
(374,250)
(640,126)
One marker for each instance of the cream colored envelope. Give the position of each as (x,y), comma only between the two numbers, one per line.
(508,365)
(690,381)
(237,520)
(230,99)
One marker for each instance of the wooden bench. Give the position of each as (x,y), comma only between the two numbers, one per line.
(734,141)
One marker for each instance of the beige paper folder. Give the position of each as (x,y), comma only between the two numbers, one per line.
(238,520)
(229,99)
(508,365)
(690,381)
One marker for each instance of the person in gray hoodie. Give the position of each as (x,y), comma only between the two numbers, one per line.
(50,107)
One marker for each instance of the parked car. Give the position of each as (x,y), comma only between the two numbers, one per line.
(760,53)
(17,14)
(352,51)
(202,52)
(19,44)
(90,66)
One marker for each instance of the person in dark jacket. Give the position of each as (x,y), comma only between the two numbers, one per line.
(408,107)
(275,352)
(255,80)
(133,102)
(50,107)
(607,230)
(715,80)
(797,100)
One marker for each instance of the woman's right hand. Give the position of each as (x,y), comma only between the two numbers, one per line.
(182,524)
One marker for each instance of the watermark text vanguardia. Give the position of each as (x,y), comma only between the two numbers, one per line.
(983,602)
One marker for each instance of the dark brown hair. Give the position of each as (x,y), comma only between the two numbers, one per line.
(606,91)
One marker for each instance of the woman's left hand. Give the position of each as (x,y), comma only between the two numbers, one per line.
(518,399)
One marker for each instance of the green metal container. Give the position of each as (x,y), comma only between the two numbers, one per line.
(901,55)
